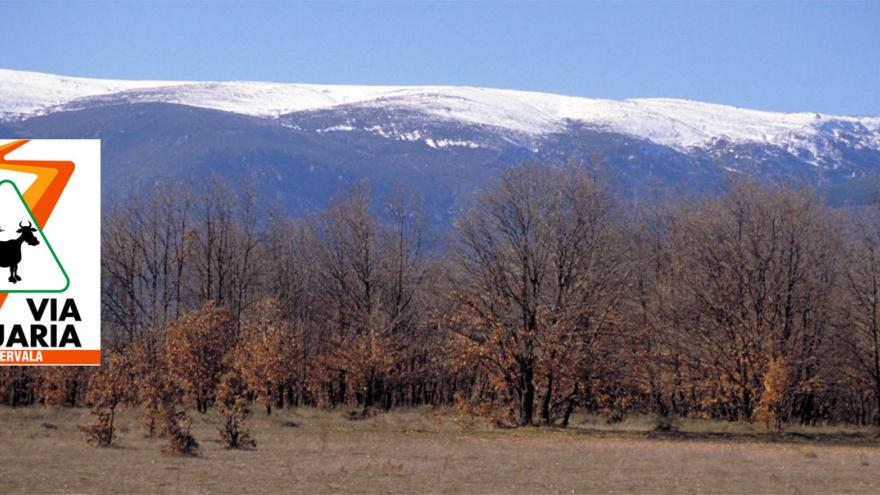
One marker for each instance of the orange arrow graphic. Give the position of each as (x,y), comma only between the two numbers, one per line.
(42,196)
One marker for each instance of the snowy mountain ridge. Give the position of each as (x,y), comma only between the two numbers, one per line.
(680,124)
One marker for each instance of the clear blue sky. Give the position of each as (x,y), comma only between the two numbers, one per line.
(783,56)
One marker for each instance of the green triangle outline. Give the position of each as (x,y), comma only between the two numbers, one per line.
(48,244)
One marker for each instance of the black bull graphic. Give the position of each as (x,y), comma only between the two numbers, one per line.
(10,251)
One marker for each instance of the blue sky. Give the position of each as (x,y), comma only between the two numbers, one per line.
(784,56)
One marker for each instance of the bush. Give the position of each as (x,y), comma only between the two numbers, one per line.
(100,434)
(769,408)
(232,402)
(180,442)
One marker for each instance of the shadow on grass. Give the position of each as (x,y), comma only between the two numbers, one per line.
(834,439)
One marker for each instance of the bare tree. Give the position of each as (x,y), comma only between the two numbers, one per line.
(860,334)
(758,274)
(542,263)
(371,273)
(144,262)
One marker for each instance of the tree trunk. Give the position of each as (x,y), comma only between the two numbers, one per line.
(526,396)
(569,408)
(545,401)
(110,429)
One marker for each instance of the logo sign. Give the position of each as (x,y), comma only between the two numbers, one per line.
(50,252)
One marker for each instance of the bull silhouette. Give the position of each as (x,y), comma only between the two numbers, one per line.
(10,251)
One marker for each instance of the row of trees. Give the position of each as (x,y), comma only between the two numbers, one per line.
(548,297)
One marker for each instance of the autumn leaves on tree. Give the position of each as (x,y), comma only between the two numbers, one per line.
(550,296)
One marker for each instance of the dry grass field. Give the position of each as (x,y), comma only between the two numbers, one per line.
(423,452)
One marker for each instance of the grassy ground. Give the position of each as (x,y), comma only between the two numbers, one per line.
(41,451)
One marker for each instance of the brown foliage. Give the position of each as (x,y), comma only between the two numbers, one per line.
(232,403)
(167,415)
(267,354)
(195,346)
(109,387)
(63,386)
(775,383)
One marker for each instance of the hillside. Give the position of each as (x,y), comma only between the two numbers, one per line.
(302,142)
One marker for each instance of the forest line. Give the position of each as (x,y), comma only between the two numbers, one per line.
(548,297)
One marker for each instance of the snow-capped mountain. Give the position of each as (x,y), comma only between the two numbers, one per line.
(432,131)
(677,123)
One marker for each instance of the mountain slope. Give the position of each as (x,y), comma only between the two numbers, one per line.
(303,142)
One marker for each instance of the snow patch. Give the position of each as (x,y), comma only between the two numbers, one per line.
(335,128)
(448,143)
